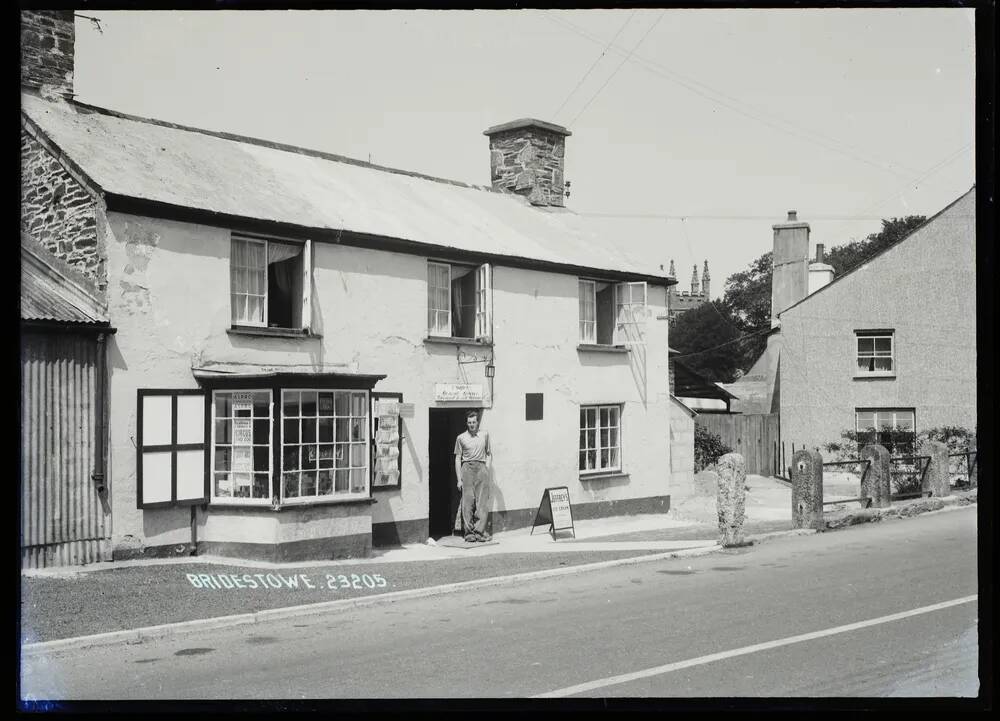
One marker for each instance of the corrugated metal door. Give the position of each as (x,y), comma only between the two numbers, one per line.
(64,521)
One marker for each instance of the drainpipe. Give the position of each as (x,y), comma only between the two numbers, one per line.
(100,426)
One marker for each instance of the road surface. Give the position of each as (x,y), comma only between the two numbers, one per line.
(886,609)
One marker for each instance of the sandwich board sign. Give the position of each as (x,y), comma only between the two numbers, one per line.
(556,510)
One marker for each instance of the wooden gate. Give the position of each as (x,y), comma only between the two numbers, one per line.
(753,436)
(64,519)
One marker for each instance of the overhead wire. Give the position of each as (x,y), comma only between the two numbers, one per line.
(594,64)
(727,101)
(625,60)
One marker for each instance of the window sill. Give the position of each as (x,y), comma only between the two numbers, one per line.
(271,332)
(866,376)
(602,475)
(447,340)
(229,504)
(396,487)
(598,348)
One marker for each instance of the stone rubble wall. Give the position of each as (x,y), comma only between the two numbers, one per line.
(57,211)
(47,39)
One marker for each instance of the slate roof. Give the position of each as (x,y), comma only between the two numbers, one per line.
(51,290)
(149,160)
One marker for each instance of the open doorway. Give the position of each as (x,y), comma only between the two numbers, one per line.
(444,426)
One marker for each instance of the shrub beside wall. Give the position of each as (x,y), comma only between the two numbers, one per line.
(708,448)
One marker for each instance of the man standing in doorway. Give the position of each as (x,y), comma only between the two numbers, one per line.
(472,453)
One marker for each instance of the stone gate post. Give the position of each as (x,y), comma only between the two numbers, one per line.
(877,485)
(730,499)
(807,489)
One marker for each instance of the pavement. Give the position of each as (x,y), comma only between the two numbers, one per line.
(131,600)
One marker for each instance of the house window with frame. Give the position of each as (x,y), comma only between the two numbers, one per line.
(270,283)
(875,352)
(600,438)
(241,446)
(609,312)
(460,301)
(324,445)
(894,428)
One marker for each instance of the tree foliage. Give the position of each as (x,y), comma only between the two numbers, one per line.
(697,334)
(747,299)
(850,255)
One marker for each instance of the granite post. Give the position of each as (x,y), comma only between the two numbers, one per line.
(730,499)
(936,479)
(877,484)
(807,489)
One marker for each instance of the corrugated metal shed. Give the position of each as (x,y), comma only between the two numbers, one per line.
(51,290)
(152,161)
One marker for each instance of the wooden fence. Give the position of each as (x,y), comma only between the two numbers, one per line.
(754,436)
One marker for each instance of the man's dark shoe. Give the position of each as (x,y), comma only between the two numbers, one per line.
(471,538)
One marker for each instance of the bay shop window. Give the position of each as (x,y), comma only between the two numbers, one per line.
(263,447)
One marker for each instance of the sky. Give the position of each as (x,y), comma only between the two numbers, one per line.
(693,130)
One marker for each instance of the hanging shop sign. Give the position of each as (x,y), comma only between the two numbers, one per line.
(556,510)
(458,391)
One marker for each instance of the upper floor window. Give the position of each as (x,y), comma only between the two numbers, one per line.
(460,301)
(609,311)
(270,283)
(875,352)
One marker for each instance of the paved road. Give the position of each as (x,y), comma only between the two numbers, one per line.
(641,621)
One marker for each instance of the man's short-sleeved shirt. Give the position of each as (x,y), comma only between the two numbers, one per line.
(473,447)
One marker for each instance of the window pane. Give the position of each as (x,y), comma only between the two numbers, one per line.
(260,486)
(583,418)
(591,438)
(341,479)
(222,429)
(866,344)
(261,458)
(325,430)
(613,436)
(884,419)
(342,404)
(591,459)
(359,405)
(326,404)
(308,430)
(358,476)
(343,430)
(261,405)
(291,434)
(904,420)
(223,486)
(223,459)
(325,483)
(583,460)
(883,344)
(604,458)
(326,455)
(604,438)
(583,440)
(358,455)
(615,412)
(262,431)
(866,364)
(290,458)
(613,458)
(882,364)
(308,403)
(605,417)
(223,405)
(291,403)
(291,482)
(309,483)
(341,455)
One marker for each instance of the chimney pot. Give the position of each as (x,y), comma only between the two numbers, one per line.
(793,215)
(819,252)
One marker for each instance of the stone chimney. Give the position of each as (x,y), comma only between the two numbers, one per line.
(47,39)
(527,157)
(705,278)
(790,279)
(820,273)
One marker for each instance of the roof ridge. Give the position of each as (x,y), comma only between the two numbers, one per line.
(274,145)
(884,250)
